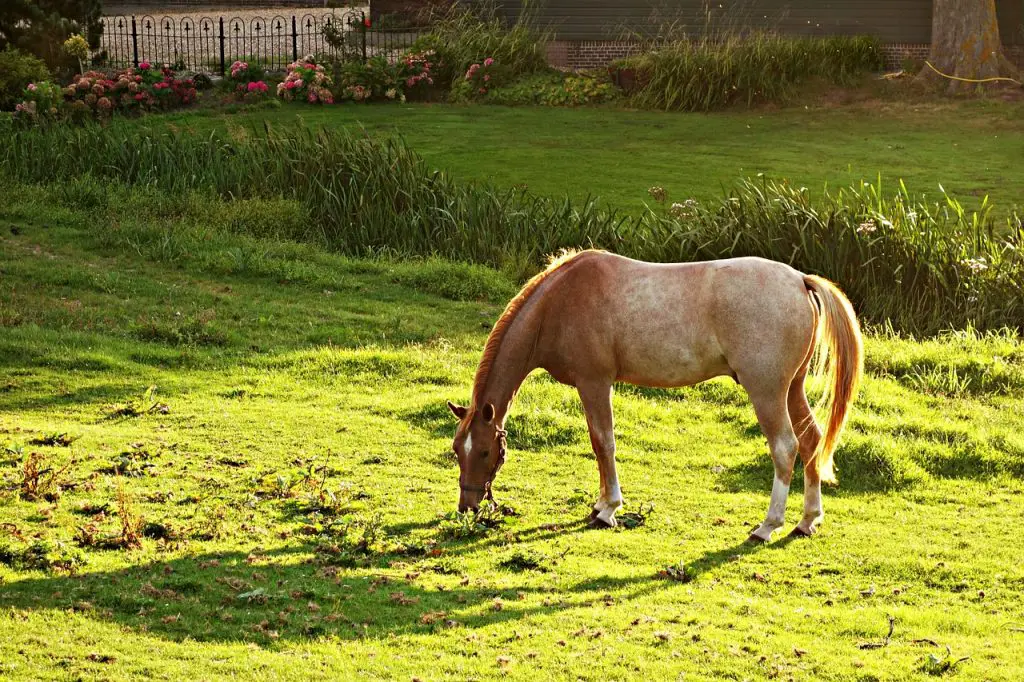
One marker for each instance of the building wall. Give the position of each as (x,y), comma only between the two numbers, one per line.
(891,21)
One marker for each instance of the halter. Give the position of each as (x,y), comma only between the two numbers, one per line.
(486,487)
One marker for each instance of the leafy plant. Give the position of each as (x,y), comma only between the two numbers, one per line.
(136,408)
(555,89)
(17,70)
(471,524)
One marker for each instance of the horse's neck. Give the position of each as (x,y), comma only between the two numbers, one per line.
(511,365)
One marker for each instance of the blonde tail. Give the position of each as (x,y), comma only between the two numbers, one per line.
(841,355)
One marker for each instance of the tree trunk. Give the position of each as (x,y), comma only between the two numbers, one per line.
(965,43)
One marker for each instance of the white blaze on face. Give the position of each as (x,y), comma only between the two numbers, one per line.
(468,446)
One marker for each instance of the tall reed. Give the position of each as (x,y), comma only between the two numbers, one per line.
(463,35)
(716,69)
(920,266)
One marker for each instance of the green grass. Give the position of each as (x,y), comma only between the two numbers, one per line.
(971,148)
(274,359)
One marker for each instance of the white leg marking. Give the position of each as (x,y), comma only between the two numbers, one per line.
(776,510)
(812,508)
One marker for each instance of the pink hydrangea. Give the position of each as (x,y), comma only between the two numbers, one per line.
(144,66)
(488,61)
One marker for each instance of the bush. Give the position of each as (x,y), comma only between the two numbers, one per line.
(243,72)
(379,79)
(921,267)
(477,81)
(306,81)
(719,70)
(463,37)
(17,70)
(555,89)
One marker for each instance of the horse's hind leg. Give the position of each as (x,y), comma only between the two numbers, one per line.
(773,416)
(808,433)
(597,404)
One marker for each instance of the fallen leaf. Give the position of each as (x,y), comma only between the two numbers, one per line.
(431,617)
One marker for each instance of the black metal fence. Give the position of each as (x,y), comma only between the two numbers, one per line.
(211,43)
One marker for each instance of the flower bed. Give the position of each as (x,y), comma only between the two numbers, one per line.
(95,94)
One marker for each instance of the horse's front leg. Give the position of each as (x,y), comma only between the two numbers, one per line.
(597,404)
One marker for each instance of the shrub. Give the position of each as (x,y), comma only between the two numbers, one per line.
(923,267)
(379,79)
(306,81)
(477,81)
(555,89)
(243,72)
(463,37)
(252,91)
(719,70)
(40,102)
(17,70)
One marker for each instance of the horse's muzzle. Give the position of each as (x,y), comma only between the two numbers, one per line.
(471,497)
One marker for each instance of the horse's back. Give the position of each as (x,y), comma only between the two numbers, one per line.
(674,324)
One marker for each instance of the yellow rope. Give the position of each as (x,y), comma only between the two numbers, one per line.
(971,80)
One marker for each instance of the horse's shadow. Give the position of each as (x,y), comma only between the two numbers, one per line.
(283,595)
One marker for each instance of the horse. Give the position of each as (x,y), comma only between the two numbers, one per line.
(593,318)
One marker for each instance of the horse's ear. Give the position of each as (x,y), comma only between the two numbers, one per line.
(458,410)
(487,413)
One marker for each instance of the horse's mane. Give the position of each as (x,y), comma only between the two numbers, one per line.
(511,310)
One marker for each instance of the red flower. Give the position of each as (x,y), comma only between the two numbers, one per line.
(366,22)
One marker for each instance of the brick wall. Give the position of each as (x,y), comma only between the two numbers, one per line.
(596,54)
(588,54)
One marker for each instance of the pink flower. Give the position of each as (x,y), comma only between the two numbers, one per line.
(487,76)
(483,91)
(488,61)
(138,97)
(144,65)
(409,82)
(312,97)
(31,87)
(298,82)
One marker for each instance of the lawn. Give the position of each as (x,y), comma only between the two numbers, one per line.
(971,148)
(293,473)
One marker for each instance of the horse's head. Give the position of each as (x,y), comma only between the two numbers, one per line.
(480,448)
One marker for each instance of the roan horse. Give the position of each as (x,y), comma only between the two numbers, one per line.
(593,318)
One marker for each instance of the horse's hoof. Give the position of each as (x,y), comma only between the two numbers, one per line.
(799,532)
(597,522)
(593,513)
(755,540)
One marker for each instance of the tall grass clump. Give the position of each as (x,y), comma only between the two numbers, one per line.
(723,68)
(464,35)
(919,266)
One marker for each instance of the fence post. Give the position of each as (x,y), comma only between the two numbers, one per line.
(221,46)
(295,40)
(362,27)
(135,44)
